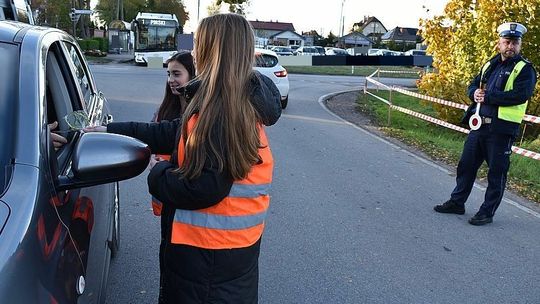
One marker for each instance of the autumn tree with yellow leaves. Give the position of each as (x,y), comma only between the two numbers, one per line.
(465,37)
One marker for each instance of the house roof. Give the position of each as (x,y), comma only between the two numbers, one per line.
(367,21)
(282,32)
(271,25)
(401,33)
(355,38)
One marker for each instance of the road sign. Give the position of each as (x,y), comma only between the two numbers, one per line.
(74,17)
(84,12)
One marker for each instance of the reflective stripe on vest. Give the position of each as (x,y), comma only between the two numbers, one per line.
(510,113)
(238,220)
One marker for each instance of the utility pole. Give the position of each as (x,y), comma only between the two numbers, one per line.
(341,18)
(73,18)
(198,9)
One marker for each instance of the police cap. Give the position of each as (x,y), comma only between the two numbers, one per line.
(511,30)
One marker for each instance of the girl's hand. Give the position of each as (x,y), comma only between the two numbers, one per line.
(154,160)
(102,129)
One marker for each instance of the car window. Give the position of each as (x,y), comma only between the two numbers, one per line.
(82,77)
(265,61)
(23,13)
(8,93)
(63,98)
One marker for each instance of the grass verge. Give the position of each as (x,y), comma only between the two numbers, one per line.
(444,144)
(354,71)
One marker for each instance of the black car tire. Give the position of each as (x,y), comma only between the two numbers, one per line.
(284,102)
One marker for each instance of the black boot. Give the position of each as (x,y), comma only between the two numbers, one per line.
(480,219)
(450,207)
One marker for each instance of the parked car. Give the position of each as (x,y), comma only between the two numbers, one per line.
(380,52)
(59,209)
(294,48)
(307,50)
(282,51)
(415,53)
(336,52)
(320,49)
(267,63)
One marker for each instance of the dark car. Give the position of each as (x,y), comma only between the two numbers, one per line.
(59,209)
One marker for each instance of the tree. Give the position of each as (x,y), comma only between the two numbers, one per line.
(213,9)
(55,13)
(464,38)
(330,40)
(235,6)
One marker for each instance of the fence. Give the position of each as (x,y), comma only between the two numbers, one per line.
(517,150)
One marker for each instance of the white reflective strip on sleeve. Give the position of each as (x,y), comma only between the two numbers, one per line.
(249,191)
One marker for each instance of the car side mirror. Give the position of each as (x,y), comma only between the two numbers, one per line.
(102,158)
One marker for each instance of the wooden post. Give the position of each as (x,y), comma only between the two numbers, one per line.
(523,134)
(378,79)
(390,108)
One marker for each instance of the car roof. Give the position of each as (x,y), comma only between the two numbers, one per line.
(14,31)
(265,51)
(9,29)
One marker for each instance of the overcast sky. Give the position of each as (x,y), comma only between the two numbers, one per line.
(308,15)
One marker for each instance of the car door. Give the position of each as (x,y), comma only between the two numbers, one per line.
(87,213)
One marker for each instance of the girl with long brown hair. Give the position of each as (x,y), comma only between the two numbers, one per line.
(217,197)
(215,188)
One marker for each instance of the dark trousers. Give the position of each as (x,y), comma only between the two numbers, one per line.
(495,149)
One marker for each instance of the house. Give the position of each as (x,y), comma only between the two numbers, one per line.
(405,36)
(311,38)
(355,40)
(370,27)
(275,33)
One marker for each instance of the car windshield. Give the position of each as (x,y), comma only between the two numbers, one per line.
(265,61)
(8,93)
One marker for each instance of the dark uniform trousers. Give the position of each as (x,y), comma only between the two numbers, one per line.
(495,149)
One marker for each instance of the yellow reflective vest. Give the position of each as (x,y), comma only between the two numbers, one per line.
(513,113)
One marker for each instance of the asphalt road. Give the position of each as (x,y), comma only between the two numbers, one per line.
(351,217)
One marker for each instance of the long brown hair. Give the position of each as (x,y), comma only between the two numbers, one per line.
(173,106)
(226,127)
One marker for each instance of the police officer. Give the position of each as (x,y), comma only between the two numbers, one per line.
(502,88)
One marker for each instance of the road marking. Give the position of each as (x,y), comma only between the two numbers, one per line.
(421,159)
(313,119)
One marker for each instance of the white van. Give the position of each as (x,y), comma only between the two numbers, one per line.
(415,53)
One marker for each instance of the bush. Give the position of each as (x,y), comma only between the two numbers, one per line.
(103,43)
(83,44)
(93,45)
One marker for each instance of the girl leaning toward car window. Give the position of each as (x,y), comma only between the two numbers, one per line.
(214,189)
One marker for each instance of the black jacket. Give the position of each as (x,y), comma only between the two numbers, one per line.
(495,96)
(190,274)
(163,138)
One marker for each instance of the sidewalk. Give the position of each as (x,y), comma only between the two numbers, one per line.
(120,58)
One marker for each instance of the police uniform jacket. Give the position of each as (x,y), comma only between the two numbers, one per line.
(496,77)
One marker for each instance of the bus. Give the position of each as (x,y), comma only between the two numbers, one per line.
(155,36)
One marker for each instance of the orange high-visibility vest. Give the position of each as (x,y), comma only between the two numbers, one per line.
(238,220)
